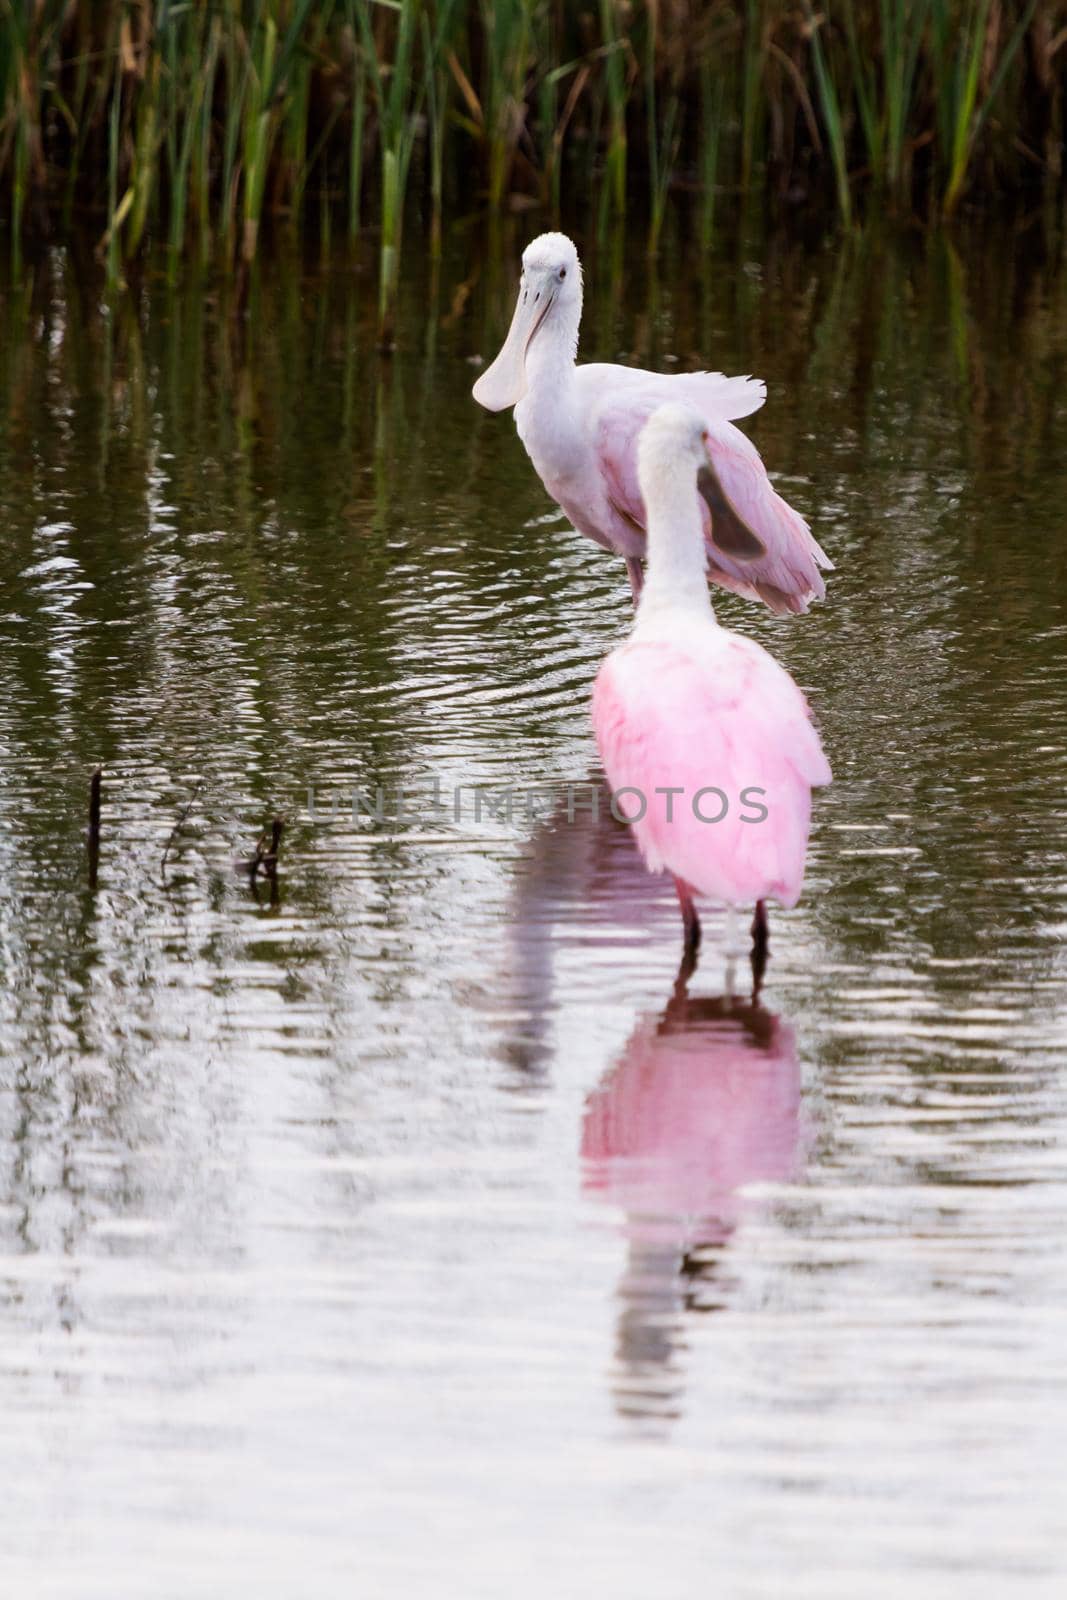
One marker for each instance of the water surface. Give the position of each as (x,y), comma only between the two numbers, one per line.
(408,1231)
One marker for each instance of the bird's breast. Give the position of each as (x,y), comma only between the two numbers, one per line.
(555,446)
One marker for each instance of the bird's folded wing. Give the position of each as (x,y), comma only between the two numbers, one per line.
(765,548)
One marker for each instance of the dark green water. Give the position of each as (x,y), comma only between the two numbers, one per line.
(398,1234)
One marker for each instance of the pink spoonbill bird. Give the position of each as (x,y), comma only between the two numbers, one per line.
(580,426)
(707,743)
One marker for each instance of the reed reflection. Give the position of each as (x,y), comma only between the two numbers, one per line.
(703,1101)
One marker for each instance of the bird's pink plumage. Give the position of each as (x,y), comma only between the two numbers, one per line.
(788,575)
(664,719)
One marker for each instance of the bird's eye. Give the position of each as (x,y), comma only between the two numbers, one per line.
(562,273)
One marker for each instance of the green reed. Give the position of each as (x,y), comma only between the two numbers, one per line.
(508,32)
(902,31)
(358,118)
(398,97)
(437,50)
(616,91)
(833,118)
(884,83)
(191,124)
(29,40)
(663,136)
(963,106)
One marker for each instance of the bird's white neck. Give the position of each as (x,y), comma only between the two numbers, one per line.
(676,577)
(547,416)
(550,358)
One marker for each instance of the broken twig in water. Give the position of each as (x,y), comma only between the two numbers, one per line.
(178,826)
(93,835)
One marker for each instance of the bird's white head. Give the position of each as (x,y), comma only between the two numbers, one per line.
(549,306)
(674,441)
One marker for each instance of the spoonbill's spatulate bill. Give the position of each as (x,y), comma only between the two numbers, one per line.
(580,426)
(706,741)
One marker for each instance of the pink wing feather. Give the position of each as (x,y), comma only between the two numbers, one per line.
(787,577)
(664,720)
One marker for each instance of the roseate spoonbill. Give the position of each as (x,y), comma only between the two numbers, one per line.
(580,426)
(706,741)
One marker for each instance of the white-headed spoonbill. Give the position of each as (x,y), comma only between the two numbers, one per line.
(580,426)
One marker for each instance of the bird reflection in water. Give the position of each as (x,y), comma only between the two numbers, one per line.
(703,1100)
(581,886)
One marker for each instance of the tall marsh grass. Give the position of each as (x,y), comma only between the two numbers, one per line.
(188,123)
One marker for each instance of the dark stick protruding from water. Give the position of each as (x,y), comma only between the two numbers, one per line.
(93,836)
(265,860)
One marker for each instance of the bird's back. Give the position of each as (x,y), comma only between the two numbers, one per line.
(712,715)
(713,393)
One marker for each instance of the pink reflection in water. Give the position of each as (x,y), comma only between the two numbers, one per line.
(703,1101)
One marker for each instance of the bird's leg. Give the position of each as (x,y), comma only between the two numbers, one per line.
(759,948)
(690,922)
(636,574)
(730,947)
